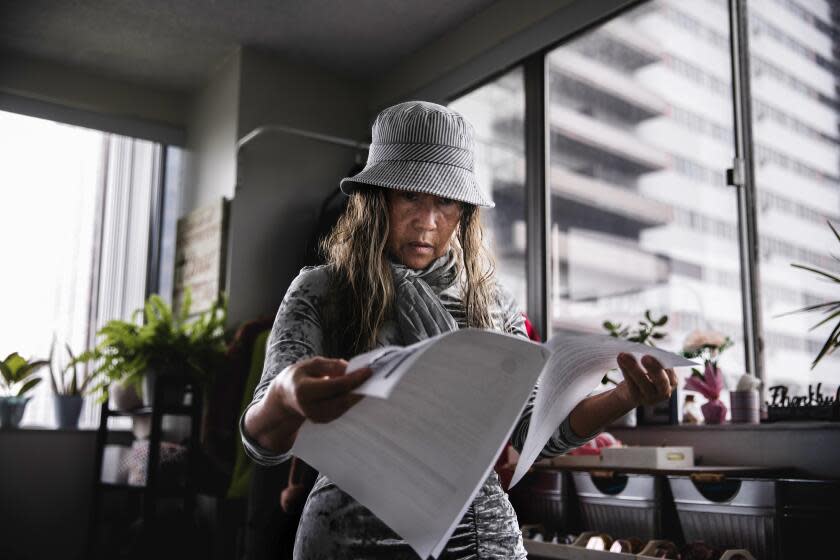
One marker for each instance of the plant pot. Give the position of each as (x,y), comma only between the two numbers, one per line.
(123,397)
(11,411)
(714,412)
(67,408)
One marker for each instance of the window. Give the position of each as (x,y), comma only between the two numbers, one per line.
(796,112)
(76,245)
(640,123)
(640,132)
(496,111)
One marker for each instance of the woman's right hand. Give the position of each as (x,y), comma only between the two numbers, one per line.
(315,389)
(318,389)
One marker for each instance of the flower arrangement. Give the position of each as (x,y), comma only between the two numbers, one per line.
(707,345)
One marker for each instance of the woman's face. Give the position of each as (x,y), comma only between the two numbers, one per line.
(421,226)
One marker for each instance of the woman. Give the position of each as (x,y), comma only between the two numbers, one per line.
(405,262)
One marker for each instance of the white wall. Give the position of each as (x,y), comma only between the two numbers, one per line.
(282,180)
(44,89)
(210,170)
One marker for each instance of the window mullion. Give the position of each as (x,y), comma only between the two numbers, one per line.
(743,178)
(537,192)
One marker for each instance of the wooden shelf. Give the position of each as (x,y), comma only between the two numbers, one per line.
(155,488)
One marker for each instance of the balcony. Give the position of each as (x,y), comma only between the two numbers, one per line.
(591,138)
(581,77)
(810,111)
(602,265)
(791,62)
(624,35)
(795,27)
(809,192)
(816,153)
(610,198)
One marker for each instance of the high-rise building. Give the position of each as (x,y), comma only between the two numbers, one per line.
(641,134)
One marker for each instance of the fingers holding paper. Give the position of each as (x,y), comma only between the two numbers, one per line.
(646,382)
(319,389)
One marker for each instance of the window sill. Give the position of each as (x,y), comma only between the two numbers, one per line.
(50,430)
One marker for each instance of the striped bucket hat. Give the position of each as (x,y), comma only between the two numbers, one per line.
(422,147)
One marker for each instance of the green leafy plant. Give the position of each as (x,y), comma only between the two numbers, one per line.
(645,332)
(831,309)
(18,374)
(165,342)
(62,383)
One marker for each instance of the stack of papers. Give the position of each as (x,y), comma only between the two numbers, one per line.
(438,414)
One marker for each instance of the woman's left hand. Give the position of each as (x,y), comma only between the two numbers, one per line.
(645,383)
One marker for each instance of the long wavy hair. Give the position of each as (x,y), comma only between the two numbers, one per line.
(363,287)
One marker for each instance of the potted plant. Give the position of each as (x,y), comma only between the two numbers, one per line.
(68,390)
(18,378)
(645,333)
(831,309)
(163,343)
(707,345)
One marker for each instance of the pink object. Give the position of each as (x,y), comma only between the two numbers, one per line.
(593,446)
(714,412)
(588,448)
(710,384)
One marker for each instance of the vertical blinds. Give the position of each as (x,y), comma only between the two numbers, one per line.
(131,174)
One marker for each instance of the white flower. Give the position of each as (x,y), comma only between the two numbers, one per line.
(697,339)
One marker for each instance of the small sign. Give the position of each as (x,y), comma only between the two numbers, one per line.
(200,255)
(814,406)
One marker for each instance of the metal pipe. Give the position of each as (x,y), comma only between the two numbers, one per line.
(272,128)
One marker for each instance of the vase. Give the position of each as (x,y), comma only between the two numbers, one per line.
(123,397)
(746,408)
(67,409)
(11,411)
(714,411)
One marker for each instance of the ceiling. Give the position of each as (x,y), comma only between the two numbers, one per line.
(176,45)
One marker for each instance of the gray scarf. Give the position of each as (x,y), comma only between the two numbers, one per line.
(420,313)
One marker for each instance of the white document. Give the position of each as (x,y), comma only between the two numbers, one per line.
(575,367)
(389,364)
(417,458)
(438,413)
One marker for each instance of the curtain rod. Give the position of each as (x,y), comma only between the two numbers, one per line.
(260,130)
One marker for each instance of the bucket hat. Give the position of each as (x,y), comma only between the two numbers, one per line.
(422,147)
